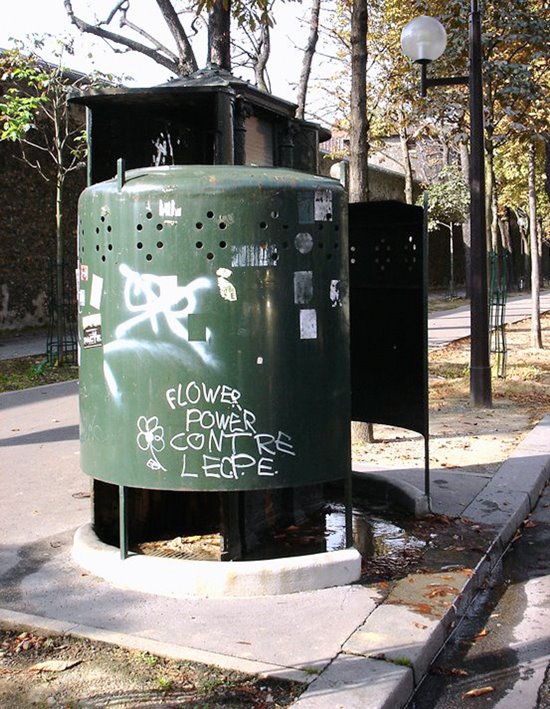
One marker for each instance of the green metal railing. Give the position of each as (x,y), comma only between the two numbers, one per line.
(498,293)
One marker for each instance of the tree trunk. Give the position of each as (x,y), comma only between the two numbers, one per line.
(490,194)
(219,33)
(309,51)
(407,165)
(358,141)
(261,59)
(59,275)
(536,334)
(358,166)
(466,235)
(547,163)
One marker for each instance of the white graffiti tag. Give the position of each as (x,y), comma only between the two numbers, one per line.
(153,297)
(151,438)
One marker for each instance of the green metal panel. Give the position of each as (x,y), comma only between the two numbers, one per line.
(214,329)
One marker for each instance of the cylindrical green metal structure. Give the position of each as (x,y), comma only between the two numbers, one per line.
(214,329)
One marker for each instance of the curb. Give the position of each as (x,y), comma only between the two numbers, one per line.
(404,494)
(178,578)
(154,647)
(374,671)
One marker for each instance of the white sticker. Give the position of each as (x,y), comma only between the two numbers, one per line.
(82,297)
(91,327)
(262,255)
(335,293)
(96,292)
(169,209)
(323,205)
(308,324)
(303,287)
(226,288)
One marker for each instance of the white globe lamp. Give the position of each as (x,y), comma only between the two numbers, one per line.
(423,39)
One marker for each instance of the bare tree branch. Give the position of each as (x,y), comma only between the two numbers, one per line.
(183,66)
(187,59)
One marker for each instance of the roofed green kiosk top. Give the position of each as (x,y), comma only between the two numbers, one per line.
(210,117)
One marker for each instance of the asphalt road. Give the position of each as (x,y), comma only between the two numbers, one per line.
(503,646)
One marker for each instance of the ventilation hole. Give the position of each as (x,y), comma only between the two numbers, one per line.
(328,217)
(329,256)
(352,260)
(274,215)
(274,256)
(285,244)
(110,247)
(352,248)
(263,225)
(320,226)
(102,219)
(149,215)
(160,227)
(97,230)
(160,244)
(139,245)
(103,258)
(209,215)
(285,226)
(223,244)
(82,249)
(222,225)
(109,228)
(199,244)
(149,257)
(320,245)
(336,227)
(336,245)
(139,227)
(97,247)
(210,256)
(199,225)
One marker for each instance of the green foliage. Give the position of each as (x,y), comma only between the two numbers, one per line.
(19,114)
(165,683)
(448,198)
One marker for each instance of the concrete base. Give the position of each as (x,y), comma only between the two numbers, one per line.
(179,578)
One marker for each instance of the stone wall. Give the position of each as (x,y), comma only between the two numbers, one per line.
(27,228)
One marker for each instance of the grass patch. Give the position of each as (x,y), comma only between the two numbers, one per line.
(26,372)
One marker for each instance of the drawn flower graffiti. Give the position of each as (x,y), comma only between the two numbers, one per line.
(151,438)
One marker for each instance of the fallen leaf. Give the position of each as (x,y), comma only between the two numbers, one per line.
(441,591)
(54,665)
(482,633)
(530,524)
(479,692)
(458,672)
(421,626)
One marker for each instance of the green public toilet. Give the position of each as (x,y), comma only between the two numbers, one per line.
(214,329)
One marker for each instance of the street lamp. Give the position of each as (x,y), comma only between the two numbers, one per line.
(423,40)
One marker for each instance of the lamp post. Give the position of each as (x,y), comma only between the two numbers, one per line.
(423,40)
